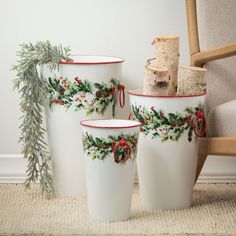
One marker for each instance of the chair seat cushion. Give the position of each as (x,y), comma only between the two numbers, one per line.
(216,20)
(221,120)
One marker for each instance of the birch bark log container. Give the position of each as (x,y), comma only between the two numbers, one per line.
(167,53)
(110,148)
(156,78)
(86,88)
(167,148)
(191,81)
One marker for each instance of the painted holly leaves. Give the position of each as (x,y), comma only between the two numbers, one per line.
(123,146)
(169,126)
(82,94)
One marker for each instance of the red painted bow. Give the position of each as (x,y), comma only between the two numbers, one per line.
(200,117)
(125,146)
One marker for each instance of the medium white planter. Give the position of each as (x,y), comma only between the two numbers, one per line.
(86,89)
(110,156)
(167,147)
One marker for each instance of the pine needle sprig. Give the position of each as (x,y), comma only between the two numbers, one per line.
(32,87)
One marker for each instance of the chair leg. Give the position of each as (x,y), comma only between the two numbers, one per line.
(200,162)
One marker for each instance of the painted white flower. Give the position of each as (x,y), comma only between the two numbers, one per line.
(164,130)
(92,150)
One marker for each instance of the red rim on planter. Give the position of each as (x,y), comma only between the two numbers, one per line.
(167,152)
(88,87)
(110,147)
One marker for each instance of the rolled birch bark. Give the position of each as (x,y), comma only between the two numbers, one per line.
(156,79)
(191,81)
(168,54)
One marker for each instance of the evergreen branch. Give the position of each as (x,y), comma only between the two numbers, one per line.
(33,89)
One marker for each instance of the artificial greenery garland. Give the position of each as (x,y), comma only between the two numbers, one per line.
(33,88)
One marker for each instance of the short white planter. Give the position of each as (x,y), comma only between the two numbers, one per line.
(167,147)
(86,88)
(110,156)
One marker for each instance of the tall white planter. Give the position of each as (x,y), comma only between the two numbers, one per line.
(75,97)
(110,156)
(167,147)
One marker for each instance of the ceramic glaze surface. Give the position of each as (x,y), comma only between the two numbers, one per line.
(110,159)
(167,149)
(63,122)
(110,123)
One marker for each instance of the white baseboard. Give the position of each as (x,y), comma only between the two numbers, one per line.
(13,166)
(217,179)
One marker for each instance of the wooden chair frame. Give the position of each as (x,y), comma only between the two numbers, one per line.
(225,146)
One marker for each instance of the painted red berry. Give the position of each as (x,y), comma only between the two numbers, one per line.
(200,114)
(77,80)
(122,142)
(189,119)
(121,87)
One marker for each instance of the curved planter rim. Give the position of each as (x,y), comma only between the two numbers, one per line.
(138,92)
(93,60)
(104,123)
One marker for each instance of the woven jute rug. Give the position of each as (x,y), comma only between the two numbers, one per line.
(29,213)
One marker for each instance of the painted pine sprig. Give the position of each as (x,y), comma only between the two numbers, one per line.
(168,126)
(100,147)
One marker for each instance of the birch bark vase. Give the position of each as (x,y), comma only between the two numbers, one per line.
(156,79)
(168,54)
(191,81)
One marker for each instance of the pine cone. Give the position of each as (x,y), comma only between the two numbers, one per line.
(142,121)
(105,94)
(98,94)
(61,91)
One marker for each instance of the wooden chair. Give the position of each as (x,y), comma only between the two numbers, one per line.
(213,49)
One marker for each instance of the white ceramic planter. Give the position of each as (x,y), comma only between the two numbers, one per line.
(167,147)
(110,156)
(72,97)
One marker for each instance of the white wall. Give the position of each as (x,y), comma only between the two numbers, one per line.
(116,27)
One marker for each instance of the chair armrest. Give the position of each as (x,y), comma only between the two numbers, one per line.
(225,146)
(200,58)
